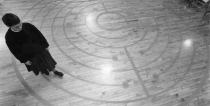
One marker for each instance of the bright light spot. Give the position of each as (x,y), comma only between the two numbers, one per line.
(106,75)
(90,21)
(90,17)
(188,43)
(106,68)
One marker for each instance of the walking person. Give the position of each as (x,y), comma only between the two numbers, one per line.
(29,46)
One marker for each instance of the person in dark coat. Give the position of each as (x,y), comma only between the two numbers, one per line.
(29,46)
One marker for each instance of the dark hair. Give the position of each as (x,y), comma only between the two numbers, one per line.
(10,19)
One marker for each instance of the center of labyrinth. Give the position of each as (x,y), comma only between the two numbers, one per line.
(126,52)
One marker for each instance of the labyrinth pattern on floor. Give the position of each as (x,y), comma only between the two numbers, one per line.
(112,53)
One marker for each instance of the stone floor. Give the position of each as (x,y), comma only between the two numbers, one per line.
(112,53)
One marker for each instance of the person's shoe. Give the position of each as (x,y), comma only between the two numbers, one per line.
(58,73)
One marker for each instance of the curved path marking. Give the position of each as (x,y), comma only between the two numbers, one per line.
(72,58)
(203,80)
(145,33)
(66,55)
(206,73)
(97,19)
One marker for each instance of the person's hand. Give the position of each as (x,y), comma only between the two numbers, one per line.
(28,63)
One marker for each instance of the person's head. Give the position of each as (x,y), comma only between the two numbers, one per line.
(12,21)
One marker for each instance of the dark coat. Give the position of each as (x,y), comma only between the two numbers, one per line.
(27,43)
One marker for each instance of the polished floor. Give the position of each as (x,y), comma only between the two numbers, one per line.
(112,53)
